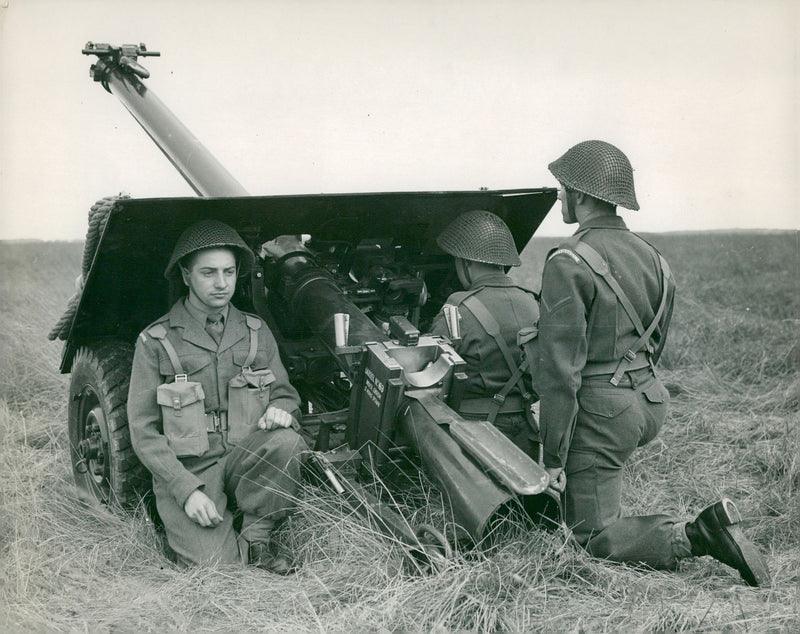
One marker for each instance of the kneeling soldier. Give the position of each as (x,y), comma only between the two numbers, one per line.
(212,414)
(607,298)
(490,314)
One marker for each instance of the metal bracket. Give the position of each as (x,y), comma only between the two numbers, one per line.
(122,58)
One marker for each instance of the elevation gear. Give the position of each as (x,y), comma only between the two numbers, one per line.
(480,236)
(209,234)
(599,169)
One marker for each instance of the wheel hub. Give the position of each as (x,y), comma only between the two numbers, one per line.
(92,449)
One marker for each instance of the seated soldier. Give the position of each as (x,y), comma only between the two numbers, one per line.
(212,414)
(490,313)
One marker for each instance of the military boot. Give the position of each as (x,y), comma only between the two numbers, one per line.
(260,555)
(716,532)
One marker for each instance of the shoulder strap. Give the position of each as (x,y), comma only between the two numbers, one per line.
(601,267)
(253,325)
(160,333)
(465,295)
(492,328)
(644,339)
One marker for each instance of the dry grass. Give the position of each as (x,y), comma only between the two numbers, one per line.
(67,565)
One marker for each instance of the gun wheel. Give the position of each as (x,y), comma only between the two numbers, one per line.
(103,462)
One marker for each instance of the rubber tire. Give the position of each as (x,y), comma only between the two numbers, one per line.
(98,398)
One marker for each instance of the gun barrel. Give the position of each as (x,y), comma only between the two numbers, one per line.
(312,296)
(204,173)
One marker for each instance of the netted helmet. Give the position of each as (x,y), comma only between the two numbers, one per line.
(480,236)
(599,169)
(208,234)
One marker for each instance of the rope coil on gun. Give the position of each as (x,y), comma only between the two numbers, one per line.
(98,216)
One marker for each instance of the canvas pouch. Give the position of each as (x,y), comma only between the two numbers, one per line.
(248,398)
(183,414)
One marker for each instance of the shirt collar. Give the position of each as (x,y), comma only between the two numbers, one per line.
(604,222)
(492,279)
(202,315)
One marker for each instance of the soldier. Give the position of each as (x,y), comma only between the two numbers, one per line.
(606,305)
(212,414)
(491,311)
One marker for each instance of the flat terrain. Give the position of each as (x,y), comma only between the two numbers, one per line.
(731,364)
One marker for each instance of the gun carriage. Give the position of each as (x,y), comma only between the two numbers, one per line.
(348,284)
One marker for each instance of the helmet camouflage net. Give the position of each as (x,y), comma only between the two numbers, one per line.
(480,236)
(209,234)
(599,169)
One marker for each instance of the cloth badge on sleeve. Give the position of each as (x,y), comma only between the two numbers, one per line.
(574,256)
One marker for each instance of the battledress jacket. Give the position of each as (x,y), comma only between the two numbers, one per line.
(513,308)
(211,365)
(582,322)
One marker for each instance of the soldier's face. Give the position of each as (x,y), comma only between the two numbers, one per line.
(567,205)
(211,279)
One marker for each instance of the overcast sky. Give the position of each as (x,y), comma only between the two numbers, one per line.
(344,96)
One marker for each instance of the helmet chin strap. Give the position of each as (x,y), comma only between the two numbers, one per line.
(464,274)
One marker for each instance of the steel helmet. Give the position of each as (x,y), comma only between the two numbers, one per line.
(209,234)
(480,236)
(599,169)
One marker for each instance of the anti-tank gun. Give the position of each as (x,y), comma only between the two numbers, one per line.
(348,284)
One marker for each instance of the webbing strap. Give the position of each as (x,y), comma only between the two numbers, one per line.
(253,324)
(492,328)
(160,333)
(601,267)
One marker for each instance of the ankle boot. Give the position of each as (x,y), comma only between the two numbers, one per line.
(716,532)
(260,555)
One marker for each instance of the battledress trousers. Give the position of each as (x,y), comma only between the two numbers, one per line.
(589,426)
(258,476)
(513,308)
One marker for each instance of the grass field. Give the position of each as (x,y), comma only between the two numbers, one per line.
(731,364)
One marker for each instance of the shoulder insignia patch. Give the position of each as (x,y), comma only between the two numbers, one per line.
(143,337)
(571,254)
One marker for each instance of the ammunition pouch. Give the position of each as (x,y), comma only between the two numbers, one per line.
(183,416)
(186,423)
(248,399)
(182,403)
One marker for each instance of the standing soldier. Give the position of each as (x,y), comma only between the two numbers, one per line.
(489,315)
(606,305)
(212,414)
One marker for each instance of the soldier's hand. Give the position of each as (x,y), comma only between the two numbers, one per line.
(201,509)
(274,418)
(558,479)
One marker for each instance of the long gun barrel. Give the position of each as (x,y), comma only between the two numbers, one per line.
(119,72)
